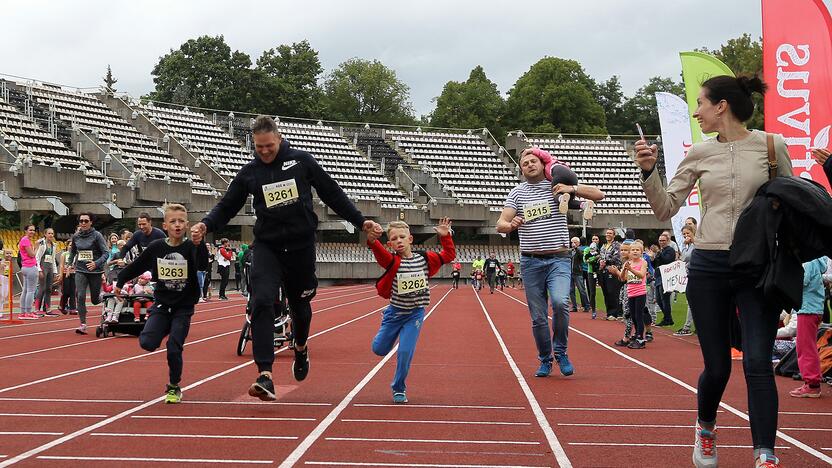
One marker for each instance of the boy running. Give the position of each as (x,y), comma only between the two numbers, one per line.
(405,283)
(172,263)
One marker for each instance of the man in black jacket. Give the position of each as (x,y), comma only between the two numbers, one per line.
(665,256)
(143,236)
(281,178)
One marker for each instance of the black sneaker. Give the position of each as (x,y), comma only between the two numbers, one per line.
(301,365)
(263,388)
(648,337)
(636,344)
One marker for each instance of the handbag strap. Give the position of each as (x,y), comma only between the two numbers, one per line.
(772,157)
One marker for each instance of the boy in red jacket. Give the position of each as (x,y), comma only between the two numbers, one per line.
(405,283)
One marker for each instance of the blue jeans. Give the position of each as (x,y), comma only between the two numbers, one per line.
(578,282)
(404,325)
(548,279)
(200,278)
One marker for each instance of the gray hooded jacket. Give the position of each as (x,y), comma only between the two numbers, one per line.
(88,246)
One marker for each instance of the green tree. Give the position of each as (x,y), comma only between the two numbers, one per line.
(290,81)
(744,56)
(203,72)
(555,95)
(611,99)
(367,91)
(473,103)
(641,108)
(109,79)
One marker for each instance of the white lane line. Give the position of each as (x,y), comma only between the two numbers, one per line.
(415,465)
(329,298)
(255,403)
(12,433)
(628,444)
(9,356)
(316,433)
(387,405)
(649,426)
(156,460)
(221,418)
(234,303)
(806,448)
(51,415)
(403,452)
(433,421)
(637,410)
(192,436)
(24,335)
(67,400)
(802,413)
(554,443)
(147,404)
(812,429)
(432,441)
(108,364)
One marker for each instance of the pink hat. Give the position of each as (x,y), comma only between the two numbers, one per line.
(548,161)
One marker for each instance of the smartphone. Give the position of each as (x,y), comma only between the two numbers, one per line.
(640,132)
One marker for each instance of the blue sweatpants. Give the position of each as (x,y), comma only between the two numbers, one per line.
(404,325)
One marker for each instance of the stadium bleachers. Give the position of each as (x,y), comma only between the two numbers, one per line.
(36,145)
(90,114)
(466,166)
(221,150)
(603,163)
(371,142)
(11,238)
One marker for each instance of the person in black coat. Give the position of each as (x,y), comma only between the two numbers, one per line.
(665,256)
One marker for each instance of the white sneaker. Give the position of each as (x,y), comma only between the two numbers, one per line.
(767,461)
(563,207)
(704,448)
(589,207)
(82,330)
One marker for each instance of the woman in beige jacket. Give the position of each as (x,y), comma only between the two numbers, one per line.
(729,169)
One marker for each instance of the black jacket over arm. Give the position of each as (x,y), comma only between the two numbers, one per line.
(289,226)
(788,222)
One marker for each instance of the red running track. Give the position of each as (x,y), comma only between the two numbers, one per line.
(67,400)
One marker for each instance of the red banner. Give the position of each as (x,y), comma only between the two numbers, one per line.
(797,65)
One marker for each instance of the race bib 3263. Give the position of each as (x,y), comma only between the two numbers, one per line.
(171,269)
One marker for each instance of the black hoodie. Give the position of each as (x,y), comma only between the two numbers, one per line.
(290,224)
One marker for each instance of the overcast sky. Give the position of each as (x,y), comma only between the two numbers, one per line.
(427,43)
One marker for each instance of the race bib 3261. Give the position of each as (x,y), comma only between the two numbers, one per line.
(280,193)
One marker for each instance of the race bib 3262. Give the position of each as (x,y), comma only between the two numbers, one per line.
(411,282)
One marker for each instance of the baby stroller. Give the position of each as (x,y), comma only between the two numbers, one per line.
(282,319)
(126,320)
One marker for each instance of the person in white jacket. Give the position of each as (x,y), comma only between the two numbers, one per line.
(45,255)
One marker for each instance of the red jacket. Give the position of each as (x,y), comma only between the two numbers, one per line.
(391,261)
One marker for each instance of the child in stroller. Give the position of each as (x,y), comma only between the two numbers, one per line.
(117,317)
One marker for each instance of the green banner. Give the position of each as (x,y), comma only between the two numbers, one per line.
(696,68)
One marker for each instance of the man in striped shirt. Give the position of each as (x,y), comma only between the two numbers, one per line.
(532,209)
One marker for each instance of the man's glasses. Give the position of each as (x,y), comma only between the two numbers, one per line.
(83,221)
